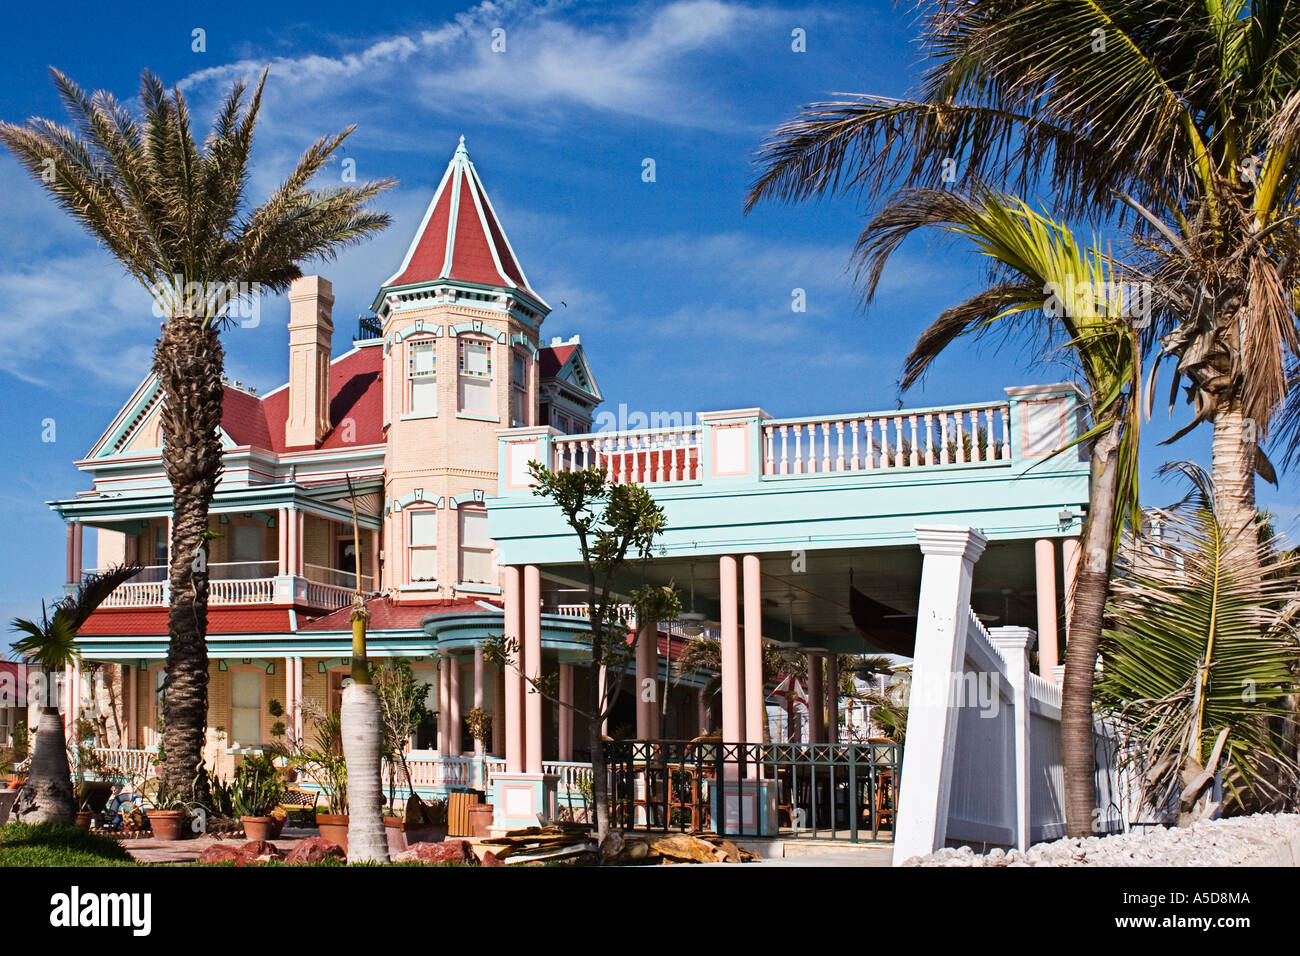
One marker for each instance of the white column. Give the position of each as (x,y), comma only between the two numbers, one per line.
(1014,643)
(702,711)
(943,617)
(130,677)
(602,677)
(282,540)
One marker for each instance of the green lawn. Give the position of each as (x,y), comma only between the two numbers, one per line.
(56,844)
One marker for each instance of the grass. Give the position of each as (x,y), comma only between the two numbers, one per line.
(58,844)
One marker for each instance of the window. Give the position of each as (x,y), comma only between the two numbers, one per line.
(245,708)
(422,370)
(426,734)
(563,425)
(519,388)
(475,547)
(423,549)
(476,376)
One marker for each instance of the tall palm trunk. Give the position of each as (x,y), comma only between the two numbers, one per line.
(188,359)
(1090,590)
(599,769)
(47,796)
(359,719)
(1233,466)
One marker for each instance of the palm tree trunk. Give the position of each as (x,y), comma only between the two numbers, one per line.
(188,360)
(1233,466)
(359,716)
(1090,589)
(599,771)
(47,795)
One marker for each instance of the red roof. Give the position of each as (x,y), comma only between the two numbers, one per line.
(460,236)
(551,358)
(387,614)
(356,393)
(221,620)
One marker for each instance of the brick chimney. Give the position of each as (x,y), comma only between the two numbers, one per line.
(311,301)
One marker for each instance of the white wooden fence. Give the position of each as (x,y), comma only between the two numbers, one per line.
(983,761)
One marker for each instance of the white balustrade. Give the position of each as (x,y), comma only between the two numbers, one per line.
(644,457)
(904,439)
(247,591)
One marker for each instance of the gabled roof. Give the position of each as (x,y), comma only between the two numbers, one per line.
(460,236)
(356,393)
(566,362)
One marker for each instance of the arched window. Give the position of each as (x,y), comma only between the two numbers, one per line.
(475,376)
(422,376)
(422,545)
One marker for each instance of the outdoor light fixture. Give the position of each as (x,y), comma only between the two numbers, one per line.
(1066,517)
(692,621)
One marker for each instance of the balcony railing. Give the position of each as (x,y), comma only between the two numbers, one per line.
(654,456)
(336,578)
(954,436)
(245,582)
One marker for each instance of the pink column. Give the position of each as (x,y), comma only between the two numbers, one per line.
(701,711)
(604,722)
(454,741)
(646,679)
(132,721)
(292,542)
(78,550)
(832,692)
(375,583)
(1071,554)
(733,717)
(532,612)
(816,700)
(754,710)
(565,721)
(444,705)
(297,693)
(498,714)
(478,690)
(67,702)
(69,568)
(290,698)
(282,541)
(513,711)
(1045,586)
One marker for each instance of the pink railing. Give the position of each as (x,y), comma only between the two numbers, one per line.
(905,439)
(644,457)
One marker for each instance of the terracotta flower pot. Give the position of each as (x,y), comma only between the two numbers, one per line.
(168,824)
(334,827)
(83,819)
(480,819)
(258,828)
(395,831)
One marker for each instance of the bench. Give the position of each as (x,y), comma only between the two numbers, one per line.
(301,802)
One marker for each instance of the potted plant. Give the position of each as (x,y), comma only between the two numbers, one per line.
(255,793)
(323,764)
(168,815)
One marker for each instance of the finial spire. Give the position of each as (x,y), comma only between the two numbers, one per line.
(461,150)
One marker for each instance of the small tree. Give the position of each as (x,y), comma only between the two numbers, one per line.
(402,709)
(616,525)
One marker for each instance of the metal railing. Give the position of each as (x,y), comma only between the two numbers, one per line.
(818,791)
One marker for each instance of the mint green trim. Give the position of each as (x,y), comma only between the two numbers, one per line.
(479,418)
(475,497)
(520,339)
(478,588)
(416,416)
(268,666)
(476,326)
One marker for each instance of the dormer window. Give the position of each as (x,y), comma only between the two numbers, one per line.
(519,388)
(475,376)
(422,371)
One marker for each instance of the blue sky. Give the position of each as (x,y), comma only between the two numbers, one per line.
(683,303)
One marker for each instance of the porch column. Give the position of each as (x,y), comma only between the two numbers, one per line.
(754,697)
(646,683)
(532,611)
(290,698)
(733,717)
(282,541)
(832,694)
(816,700)
(566,713)
(374,560)
(132,721)
(297,698)
(1045,586)
(498,713)
(292,541)
(1071,555)
(444,706)
(513,711)
(601,676)
(454,741)
(478,690)
(70,560)
(701,710)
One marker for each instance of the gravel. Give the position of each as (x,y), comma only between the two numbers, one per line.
(1260,840)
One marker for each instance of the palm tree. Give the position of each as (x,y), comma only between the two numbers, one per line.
(1181,119)
(1035,256)
(1200,660)
(175,215)
(47,797)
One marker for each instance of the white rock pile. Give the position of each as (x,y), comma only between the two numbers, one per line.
(1260,840)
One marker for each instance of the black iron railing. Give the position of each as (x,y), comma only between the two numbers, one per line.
(819,791)
(368,327)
